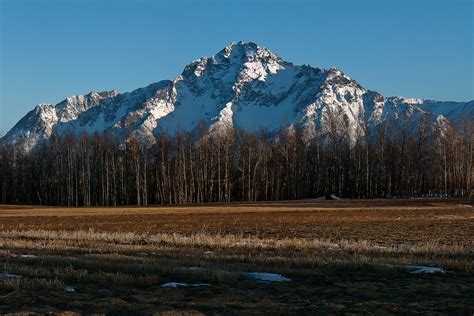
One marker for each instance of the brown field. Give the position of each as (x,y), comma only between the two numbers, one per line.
(341,256)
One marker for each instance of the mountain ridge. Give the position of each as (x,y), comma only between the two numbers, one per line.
(242,86)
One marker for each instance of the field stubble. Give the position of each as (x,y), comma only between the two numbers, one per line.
(341,256)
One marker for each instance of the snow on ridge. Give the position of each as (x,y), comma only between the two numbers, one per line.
(224,120)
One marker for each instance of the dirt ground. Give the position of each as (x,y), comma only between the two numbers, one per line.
(381,221)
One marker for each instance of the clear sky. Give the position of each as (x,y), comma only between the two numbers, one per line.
(54,48)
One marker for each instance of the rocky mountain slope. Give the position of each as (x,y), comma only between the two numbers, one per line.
(243,86)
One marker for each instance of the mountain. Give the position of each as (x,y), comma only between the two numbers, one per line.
(243,86)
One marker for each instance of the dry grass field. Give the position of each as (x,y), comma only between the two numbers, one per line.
(337,257)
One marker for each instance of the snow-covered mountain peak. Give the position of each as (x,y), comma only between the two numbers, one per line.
(39,108)
(245,51)
(242,86)
(246,58)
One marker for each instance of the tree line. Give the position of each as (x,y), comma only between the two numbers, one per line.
(97,170)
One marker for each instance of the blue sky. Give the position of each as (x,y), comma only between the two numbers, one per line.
(50,49)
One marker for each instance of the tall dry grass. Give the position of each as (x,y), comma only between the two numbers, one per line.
(299,251)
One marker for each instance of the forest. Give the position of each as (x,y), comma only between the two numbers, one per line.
(390,160)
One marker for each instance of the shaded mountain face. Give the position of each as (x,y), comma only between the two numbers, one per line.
(243,86)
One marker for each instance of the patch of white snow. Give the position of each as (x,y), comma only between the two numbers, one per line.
(9,276)
(267,277)
(423,269)
(177,284)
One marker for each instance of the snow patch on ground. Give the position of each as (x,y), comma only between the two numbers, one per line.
(13,255)
(28,256)
(9,276)
(191,268)
(423,269)
(267,277)
(328,197)
(177,284)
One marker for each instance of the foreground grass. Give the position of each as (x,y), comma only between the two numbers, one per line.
(118,271)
